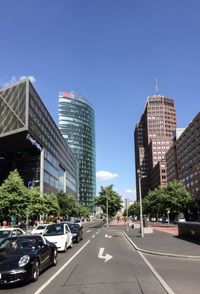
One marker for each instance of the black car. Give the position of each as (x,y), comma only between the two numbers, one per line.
(22,258)
(77,231)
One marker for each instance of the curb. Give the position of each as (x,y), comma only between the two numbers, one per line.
(160,253)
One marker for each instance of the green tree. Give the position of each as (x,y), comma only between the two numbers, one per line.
(14,197)
(175,198)
(36,204)
(67,204)
(113,198)
(154,202)
(51,205)
(134,209)
(70,207)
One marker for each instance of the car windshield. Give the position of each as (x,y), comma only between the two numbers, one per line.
(73,227)
(53,230)
(5,233)
(41,227)
(21,243)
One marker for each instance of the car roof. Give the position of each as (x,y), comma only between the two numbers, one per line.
(10,229)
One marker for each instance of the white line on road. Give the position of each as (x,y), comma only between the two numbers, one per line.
(108,236)
(107,257)
(156,274)
(61,269)
(88,231)
(93,236)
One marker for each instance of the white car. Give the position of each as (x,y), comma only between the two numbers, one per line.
(39,229)
(60,235)
(10,232)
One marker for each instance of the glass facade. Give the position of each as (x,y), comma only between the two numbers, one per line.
(77,125)
(31,142)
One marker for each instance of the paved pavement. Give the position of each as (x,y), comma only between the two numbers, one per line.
(164,239)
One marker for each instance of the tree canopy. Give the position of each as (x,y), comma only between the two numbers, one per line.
(174,198)
(70,207)
(113,198)
(14,198)
(19,201)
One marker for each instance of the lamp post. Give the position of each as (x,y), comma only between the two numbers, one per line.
(140,199)
(126,206)
(107,211)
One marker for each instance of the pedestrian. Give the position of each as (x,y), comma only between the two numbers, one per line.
(5,223)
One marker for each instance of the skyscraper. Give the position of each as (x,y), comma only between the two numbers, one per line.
(153,137)
(77,125)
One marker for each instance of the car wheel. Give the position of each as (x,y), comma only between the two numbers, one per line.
(35,270)
(77,239)
(55,258)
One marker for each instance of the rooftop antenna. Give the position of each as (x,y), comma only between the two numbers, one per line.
(157,90)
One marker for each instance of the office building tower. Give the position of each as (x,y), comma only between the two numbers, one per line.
(183,159)
(153,136)
(31,142)
(77,125)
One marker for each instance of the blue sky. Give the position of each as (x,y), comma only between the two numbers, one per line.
(110,51)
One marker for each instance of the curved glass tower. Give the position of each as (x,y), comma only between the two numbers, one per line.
(77,125)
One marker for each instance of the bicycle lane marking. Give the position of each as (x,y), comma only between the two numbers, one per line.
(61,269)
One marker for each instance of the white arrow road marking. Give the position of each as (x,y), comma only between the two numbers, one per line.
(107,257)
(107,236)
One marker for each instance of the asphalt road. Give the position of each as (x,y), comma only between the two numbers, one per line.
(104,262)
(182,275)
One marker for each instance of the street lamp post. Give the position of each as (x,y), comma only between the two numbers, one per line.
(140,199)
(107,211)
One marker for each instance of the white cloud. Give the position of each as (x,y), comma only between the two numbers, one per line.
(106,175)
(13,79)
(31,78)
(129,191)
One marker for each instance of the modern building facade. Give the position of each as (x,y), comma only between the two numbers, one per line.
(153,136)
(77,125)
(183,159)
(31,142)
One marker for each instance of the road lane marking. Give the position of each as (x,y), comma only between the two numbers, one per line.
(88,231)
(108,236)
(155,273)
(107,257)
(93,236)
(61,269)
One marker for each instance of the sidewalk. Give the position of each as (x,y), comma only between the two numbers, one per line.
(164,239)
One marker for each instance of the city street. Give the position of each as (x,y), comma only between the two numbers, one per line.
(106,262)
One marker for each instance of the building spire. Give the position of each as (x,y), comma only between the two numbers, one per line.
(157,90)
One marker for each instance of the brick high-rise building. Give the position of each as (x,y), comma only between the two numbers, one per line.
(153,137)
(183,159)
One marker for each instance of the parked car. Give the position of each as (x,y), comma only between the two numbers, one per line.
(79,222)
(180,220)
(39,229)
(10,232)
(153,219)
(23,258)
(77,232)
(60,235)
